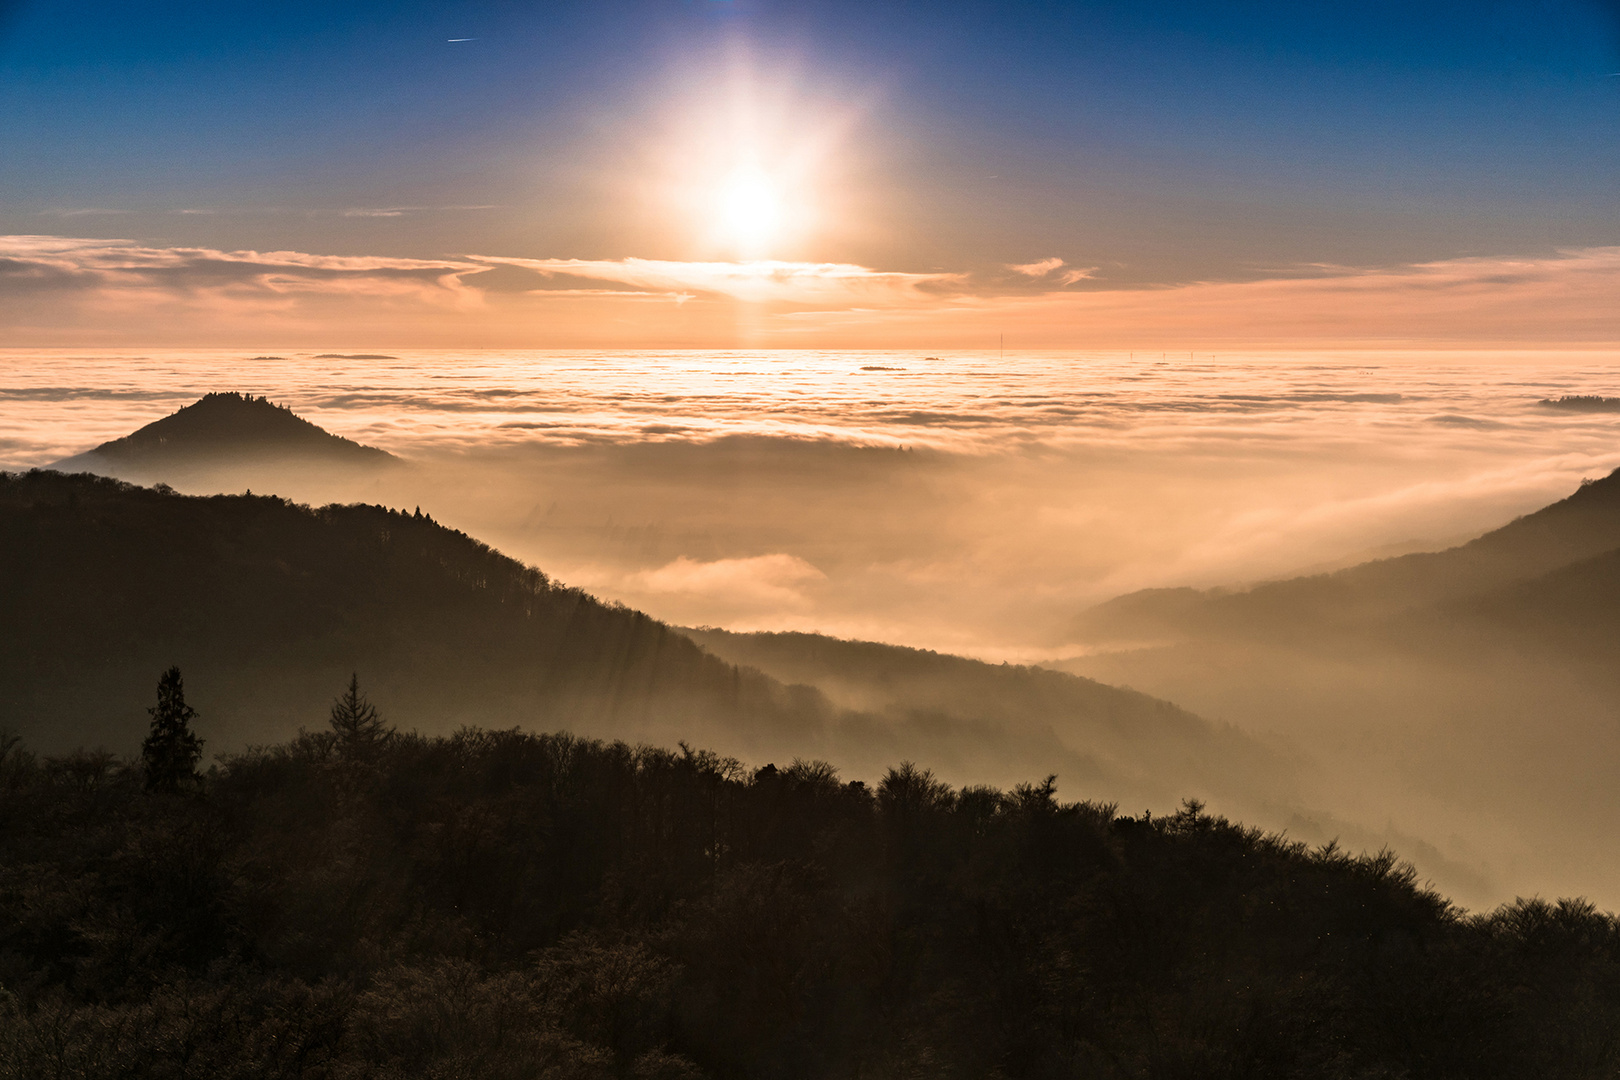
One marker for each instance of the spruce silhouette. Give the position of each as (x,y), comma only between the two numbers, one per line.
(356,720)
(171,750)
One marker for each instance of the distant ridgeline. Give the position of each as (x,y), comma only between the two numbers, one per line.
(1529,612)
(1485,676)
(1542,560)
(221,427)
(1583,403)
(497,905)
(267,605)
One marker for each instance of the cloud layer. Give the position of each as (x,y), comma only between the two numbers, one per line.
(61,290)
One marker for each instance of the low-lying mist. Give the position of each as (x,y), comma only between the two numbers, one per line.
(961,502)
(977,505)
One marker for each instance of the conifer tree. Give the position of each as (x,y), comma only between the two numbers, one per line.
(356,720)
(171,750)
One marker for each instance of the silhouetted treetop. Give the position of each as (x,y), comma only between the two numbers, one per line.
(358,725)
(171,750)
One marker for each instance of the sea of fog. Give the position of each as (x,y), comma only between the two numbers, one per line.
(973,502)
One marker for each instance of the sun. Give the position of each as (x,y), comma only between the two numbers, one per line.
(748,160)
(750,211)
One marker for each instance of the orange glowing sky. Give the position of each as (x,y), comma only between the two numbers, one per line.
(115,292)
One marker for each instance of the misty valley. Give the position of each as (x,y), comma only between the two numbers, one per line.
(1316,826)
(809,540)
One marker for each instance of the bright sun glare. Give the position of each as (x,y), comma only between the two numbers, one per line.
(747,165)
(750,210)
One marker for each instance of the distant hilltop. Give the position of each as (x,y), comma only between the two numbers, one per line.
(224,427)
(1583,403)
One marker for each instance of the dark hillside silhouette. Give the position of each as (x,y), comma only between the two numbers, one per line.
(269,606)
(499,905)
(262,593)
(220,429)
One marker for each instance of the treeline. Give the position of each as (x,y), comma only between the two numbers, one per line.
(363,903)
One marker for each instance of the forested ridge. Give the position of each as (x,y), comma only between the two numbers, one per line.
(362,903)
(266,604)
(265,601)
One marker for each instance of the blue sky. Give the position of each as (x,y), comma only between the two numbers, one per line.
(1153,144)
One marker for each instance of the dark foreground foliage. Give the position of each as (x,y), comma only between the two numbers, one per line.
(498,904)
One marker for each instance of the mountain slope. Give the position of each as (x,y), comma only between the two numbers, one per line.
(1571,613)
(1585,524)
(1522,620)
(1472,693)
(268,606)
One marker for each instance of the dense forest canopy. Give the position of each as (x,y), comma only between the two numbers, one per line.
(363,903)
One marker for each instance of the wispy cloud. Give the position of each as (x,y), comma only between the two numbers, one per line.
(1047,268)
(1036,269)
(1564,296)
(89,262)
(752,282)
(114,287)
(54,287)
(402,211)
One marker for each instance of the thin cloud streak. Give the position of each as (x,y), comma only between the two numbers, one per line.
(1036,269)
(766,281)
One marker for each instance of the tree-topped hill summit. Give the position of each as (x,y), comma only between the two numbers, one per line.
(223,427)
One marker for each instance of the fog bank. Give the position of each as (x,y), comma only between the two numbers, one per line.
(967,502)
